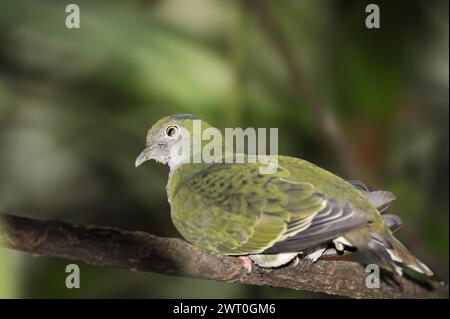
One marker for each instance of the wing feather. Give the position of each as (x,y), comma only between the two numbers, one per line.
(234,210)
(337,218)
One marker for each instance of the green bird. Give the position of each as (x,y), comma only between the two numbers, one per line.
(233,209)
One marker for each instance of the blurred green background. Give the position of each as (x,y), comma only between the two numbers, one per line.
(75,105)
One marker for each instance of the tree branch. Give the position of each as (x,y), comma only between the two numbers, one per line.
(139,251)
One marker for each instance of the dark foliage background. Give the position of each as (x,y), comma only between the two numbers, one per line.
(75,106)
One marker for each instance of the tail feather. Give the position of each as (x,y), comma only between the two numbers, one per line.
(406,258)
(389,252)
(393,222)
(378,251)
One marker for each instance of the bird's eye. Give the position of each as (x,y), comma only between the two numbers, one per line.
(171,131)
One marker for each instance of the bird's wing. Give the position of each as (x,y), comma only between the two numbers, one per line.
(336,219)
(381,200)
(237,210)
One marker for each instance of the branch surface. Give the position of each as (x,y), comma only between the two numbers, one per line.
(140,251)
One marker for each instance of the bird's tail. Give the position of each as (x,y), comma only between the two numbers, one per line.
(391,252)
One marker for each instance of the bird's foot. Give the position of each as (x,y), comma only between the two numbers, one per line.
(246,263)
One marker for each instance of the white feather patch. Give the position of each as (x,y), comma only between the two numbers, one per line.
(315,255)
(342,241)
(270,261)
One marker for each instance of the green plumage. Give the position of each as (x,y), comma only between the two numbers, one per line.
(233,209)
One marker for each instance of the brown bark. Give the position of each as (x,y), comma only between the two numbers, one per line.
(139,251)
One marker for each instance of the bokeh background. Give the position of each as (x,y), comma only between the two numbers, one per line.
(75,106)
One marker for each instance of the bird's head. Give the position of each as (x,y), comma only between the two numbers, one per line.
(165,137)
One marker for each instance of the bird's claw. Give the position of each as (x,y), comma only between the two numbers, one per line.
(295,261)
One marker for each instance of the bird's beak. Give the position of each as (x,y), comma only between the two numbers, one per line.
(146,154)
